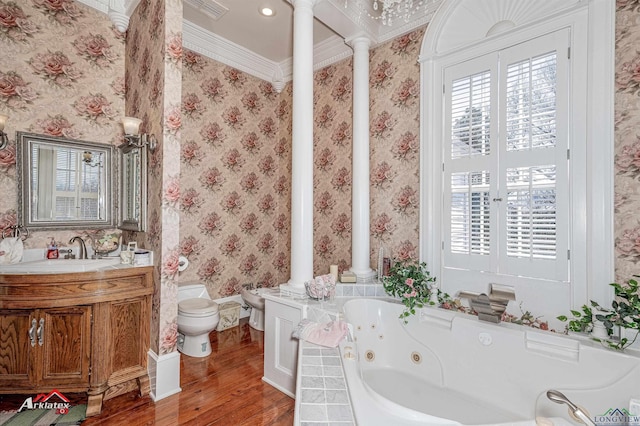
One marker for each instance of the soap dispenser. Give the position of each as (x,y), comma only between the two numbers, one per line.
(52,249)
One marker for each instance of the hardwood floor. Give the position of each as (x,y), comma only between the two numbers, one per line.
(222,389)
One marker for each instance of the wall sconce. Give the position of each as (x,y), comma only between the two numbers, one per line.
(133,137)
(4,139)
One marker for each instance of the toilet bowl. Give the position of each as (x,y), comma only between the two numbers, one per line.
(255,299)
(197,316)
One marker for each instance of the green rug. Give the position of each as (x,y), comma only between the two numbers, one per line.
(75,416)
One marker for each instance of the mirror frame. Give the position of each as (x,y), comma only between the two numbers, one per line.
(132,195)
(24,140)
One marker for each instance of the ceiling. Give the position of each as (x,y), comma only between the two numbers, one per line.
(235,33)
(269,37)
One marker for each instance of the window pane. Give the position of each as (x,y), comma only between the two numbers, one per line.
(470,213)
(531,212)
(65,170)
(531,103)
(65,208)
(470,115)
(89,208)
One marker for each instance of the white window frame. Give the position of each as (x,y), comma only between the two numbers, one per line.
(591,25)
(464,266)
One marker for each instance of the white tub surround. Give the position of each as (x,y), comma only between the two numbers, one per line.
(164,374)
(302,149)
(445,367)
(282,313)
(360,209)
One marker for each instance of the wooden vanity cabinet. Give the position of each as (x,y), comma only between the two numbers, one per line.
(77,332)
(54,351)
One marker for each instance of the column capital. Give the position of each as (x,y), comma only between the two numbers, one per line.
(303,3)
(358,40)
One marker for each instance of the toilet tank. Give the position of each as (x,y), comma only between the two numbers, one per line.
(192,291)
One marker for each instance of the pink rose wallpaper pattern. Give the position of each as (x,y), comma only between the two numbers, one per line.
(62,75)
(154,80)
(627,140)
(233,178)
(220,182)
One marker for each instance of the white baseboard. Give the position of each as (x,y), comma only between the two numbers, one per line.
(164,374)
(245,310)
(280,388)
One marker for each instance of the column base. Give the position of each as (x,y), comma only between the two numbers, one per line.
(293,290)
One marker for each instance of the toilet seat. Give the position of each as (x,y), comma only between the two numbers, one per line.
(197,307)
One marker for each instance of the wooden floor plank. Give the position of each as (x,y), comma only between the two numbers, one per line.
(225,388)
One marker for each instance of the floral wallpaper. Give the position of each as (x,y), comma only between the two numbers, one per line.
(627,140)
(233,179)
(332,174)
(61,75)
(220,185)
(236,168)
(394,162)
(395,142)
(154,81)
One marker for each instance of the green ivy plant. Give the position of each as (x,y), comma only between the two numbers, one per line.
(409,281)
(624,314)
(581,321)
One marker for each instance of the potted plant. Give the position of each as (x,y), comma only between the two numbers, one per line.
(410,281)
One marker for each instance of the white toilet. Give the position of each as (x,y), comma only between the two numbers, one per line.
(197,316)
(255,299)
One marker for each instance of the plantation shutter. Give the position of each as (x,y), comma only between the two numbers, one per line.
(470,156)
(534,159)
(505,165)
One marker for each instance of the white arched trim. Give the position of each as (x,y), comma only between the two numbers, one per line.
(461,30)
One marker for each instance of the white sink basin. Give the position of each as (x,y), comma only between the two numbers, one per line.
(59,266)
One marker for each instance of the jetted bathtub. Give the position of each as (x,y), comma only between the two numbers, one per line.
(449,368)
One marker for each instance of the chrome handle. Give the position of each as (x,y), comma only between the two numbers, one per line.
(41,332)
(32,332)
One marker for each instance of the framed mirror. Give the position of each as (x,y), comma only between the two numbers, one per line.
(64,183)
(133,188)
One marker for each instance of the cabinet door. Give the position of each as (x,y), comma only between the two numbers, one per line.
(280,348)
(16,352)
(66,346)
(129,332)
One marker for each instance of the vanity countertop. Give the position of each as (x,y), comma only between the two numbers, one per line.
(61,266)
(20,291)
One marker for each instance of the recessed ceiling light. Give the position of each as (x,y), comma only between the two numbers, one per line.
(267,11)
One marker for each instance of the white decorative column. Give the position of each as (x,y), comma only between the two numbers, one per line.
(302,149)
(360,214)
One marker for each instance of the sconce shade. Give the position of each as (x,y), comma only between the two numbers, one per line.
(131,125)
(3,121)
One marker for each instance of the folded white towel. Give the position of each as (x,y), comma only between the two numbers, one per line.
(329,334)
(11,250)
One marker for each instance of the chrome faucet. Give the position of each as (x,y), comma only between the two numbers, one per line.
(490,307)
(82,254)
(575,410)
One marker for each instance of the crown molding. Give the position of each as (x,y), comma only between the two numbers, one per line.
(219,49)
(325,53)
(332,50)
(101,5)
